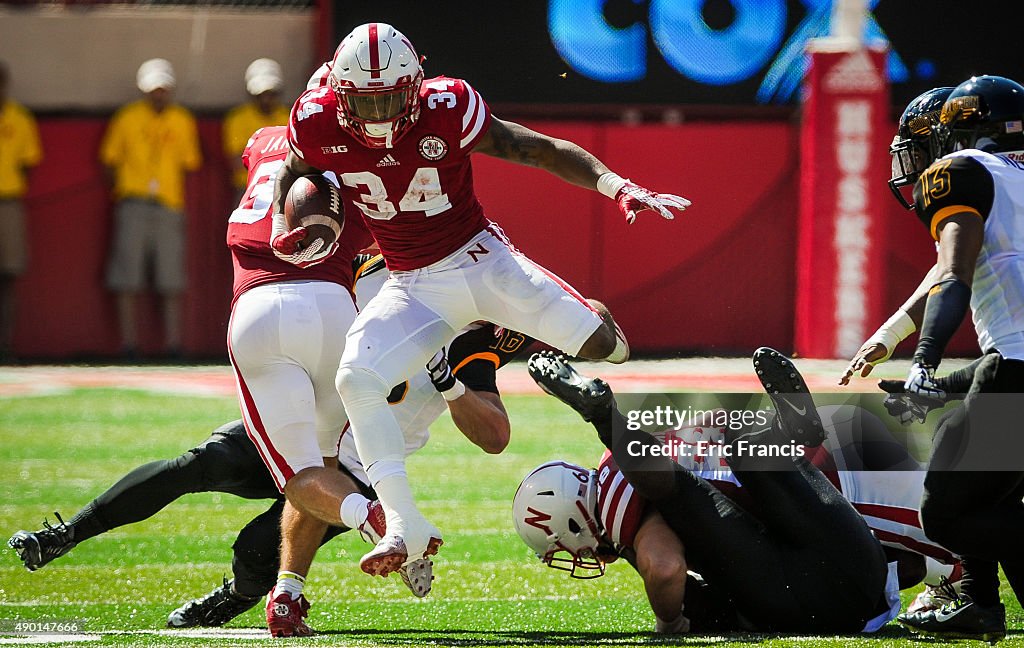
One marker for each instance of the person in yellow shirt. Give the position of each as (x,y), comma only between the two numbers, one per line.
(19,151)
(263,82)
(147,150)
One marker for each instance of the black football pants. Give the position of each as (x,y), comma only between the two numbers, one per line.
(978,514)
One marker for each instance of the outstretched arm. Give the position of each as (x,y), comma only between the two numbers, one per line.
(570,162)
(880,346)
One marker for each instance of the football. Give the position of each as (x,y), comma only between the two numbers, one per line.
(314,203)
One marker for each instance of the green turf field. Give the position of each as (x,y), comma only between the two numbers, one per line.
(58,451)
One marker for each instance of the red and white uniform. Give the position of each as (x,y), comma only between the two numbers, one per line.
(619,508)
(450,266)
(889,501)
(417,196)
(285,336)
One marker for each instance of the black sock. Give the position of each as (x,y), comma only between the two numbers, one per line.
(981,581)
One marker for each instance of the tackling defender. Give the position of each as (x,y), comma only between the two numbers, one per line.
(400,146)
(818,567)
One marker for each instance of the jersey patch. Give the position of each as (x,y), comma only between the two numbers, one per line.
(952,185)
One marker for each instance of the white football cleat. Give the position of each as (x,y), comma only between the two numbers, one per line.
(417,574)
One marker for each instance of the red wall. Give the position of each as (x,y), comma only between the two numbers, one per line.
(719,279)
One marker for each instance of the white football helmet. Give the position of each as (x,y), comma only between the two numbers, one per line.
(376,75)
(554,513)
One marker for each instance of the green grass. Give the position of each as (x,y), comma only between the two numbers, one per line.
(57,452)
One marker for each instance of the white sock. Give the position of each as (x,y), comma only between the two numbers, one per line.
(288,582)
(353,510)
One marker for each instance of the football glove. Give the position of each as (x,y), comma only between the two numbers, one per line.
(288,243)
(903,407)
(633,199)
(921,383)
(440,372)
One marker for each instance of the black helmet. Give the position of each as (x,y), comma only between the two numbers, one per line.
(913,148)
(986,113)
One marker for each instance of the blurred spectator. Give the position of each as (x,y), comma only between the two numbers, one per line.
(19,150)
(263,82)
(147,150)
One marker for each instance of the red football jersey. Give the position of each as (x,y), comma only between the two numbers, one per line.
(417,197)
(249,226)
(619,508)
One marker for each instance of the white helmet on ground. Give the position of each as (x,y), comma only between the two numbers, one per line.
(554,513)
(376,75)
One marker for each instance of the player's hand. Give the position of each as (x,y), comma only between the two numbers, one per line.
(869,355)
(633,199)
(440,372)
(921,385)
(902,406)
(289,242)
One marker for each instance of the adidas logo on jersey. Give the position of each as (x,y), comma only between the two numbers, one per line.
(388,161)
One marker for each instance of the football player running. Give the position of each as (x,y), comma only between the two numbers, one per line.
(400,146)
(972,201)
(778,548)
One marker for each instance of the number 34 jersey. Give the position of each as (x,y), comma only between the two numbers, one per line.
(990,186)
(417,197)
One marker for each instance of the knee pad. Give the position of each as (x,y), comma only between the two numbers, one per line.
(355,384)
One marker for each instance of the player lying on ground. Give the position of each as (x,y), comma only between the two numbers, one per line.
(228,462)
(400,146)
(971,200)
(796,558)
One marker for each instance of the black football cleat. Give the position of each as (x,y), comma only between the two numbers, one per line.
(961,618)
(40,547)
(590,397)
(213,610)
(796,411)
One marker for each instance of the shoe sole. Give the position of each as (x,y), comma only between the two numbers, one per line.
(990,637)
(784,385)
(579,393)
(28,549)
(420,568)
(392,560)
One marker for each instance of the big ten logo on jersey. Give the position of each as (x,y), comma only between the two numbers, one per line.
(507,341)
(308,107)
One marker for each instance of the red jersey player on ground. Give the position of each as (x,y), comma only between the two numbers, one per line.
(285,313)
(400,147)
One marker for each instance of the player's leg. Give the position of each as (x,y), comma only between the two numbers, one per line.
(393,337)
(221,463)
(511,290)
(972,511)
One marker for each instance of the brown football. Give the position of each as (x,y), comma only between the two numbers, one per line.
(314,203)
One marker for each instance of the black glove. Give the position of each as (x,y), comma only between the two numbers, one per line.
(440,373)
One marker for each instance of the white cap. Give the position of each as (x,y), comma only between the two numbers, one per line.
(153,74)
(263,75)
